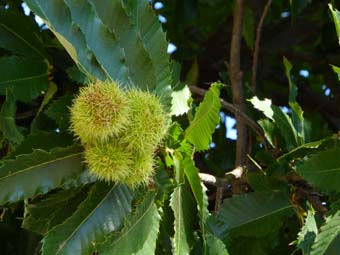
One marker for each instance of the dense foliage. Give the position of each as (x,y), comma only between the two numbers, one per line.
(272,65)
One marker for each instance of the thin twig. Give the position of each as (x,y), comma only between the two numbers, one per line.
(257,46)
(231,108)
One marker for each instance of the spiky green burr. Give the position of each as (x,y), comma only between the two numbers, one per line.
(99,112)
(120,131)
(149,121)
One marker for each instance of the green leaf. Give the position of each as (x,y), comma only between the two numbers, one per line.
(7,119)
(312,145)
(264,106)
(58,18)
(99,39)
(336,70)
(281,120)
(39,172)
(181,203)
(180,100)
(192,76)
(52,89)
(259,211)
(20,35)
(269,129)
(26,77)
(76,75)
(292,87)
(336,19)
(200,130)
(115,40)
(215,246)
(307,234)
(42,215)
(322,169)
(58,111)
(199,192)
(139,234)
(38,141)
(328,240)
(297,113)
(102,212)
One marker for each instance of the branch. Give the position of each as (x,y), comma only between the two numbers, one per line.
(235,74)
(230,107)
(221,183)
(257,46)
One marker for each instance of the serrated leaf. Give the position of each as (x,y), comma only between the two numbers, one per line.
(99,39)
(115,40)
(322,169)
(58,18)
(264,106)
(281,119)
(297,113)
(38,172)
(44,214)
(312,145)
(58,111)
(180,100)
(215,246)
(268,129)
(38,141)
(336,69)
(262,211)
(26,77)
(19,34)
(181,202)
(141,227)
(328,240)
(307,234)
(200,130)
(7,119)
(102,212)
(336,19)
(199,192)
(198,189)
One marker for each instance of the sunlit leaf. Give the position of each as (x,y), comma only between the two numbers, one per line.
(328,240)
(200,130)
(307,234)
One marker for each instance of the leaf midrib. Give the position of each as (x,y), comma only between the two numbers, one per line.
(262,216)
(133,225)
(39,165)
(63,244)
(25,78)
(22,39)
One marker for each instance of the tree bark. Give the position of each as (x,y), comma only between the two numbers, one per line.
(235,74)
